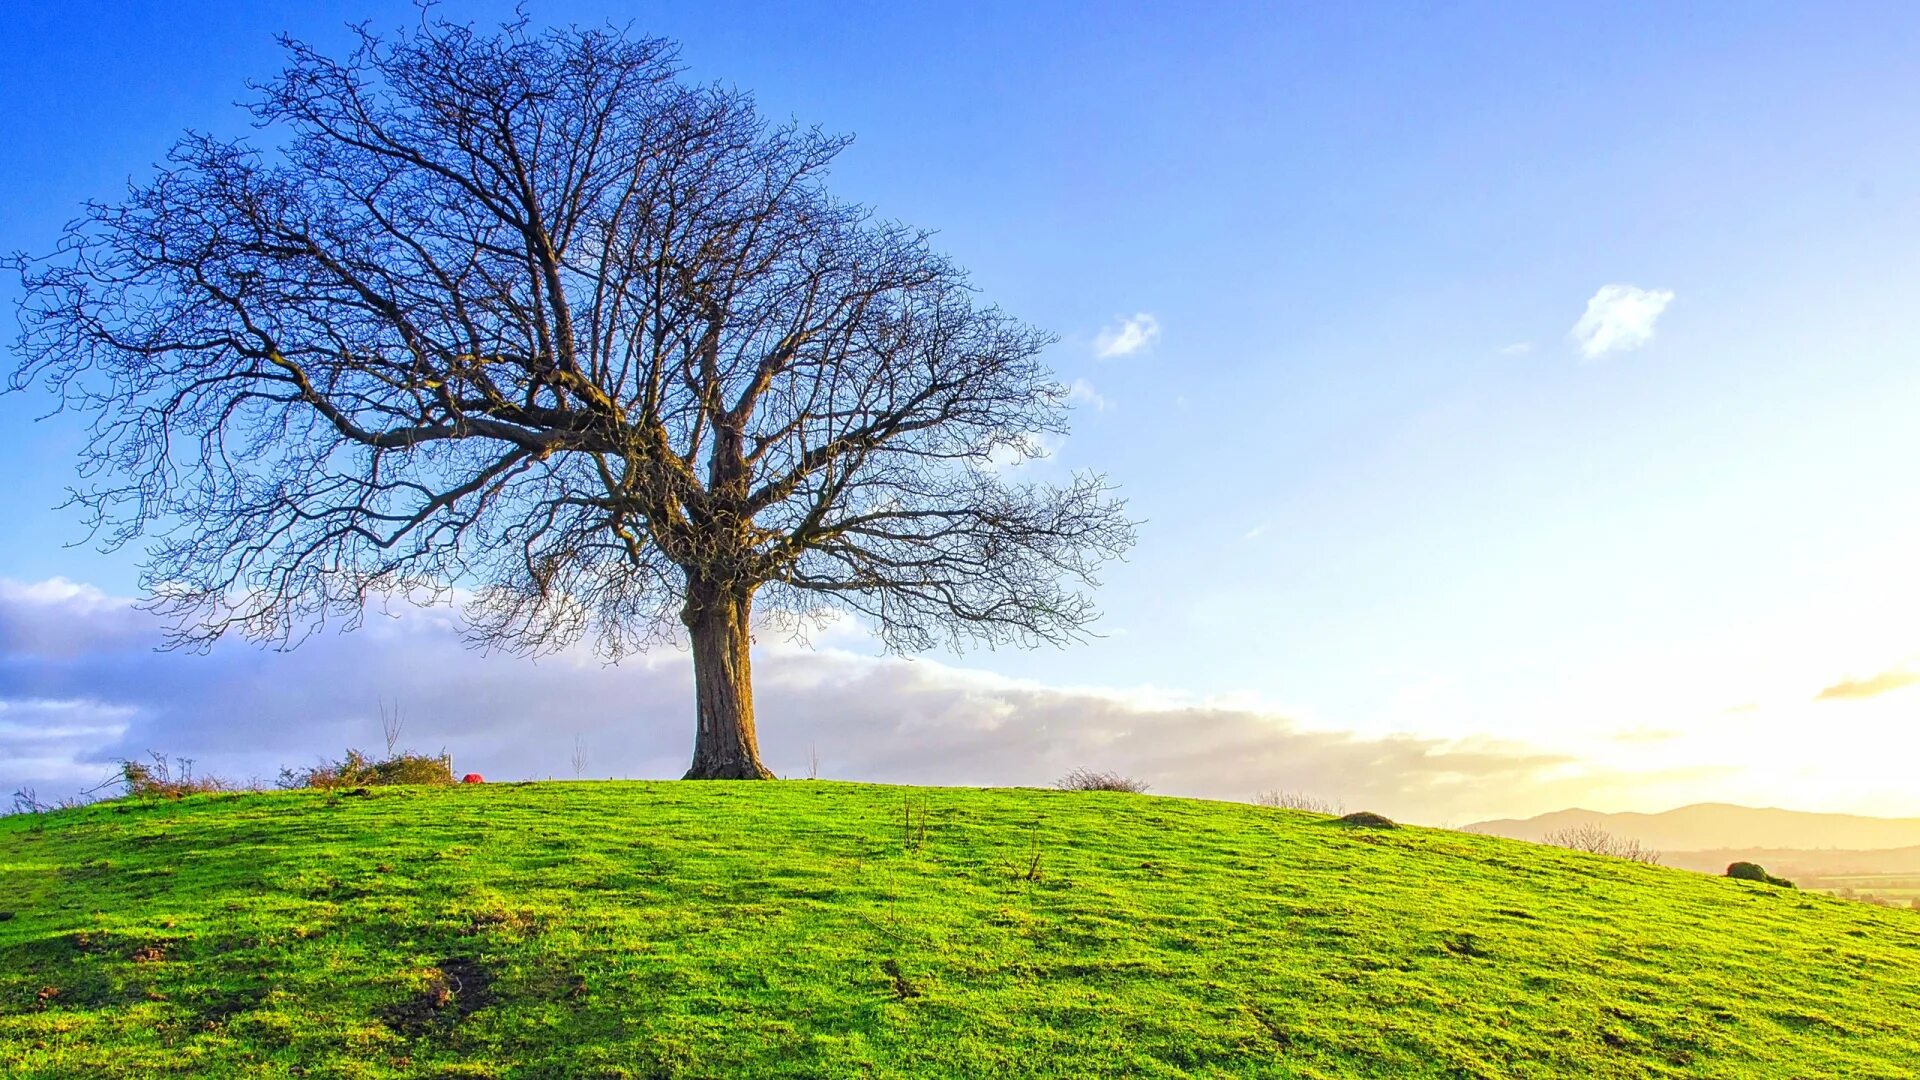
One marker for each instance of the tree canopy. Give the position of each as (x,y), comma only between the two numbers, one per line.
(528,319)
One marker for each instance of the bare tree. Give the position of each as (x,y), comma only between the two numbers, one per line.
(524,314)
(391,724)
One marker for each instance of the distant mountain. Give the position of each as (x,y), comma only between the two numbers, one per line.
(1721,826)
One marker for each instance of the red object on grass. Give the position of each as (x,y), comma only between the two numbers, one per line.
(473,778)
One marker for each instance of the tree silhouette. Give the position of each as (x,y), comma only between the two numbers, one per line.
(525,320)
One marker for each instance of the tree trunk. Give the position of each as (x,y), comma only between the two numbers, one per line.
(724,744)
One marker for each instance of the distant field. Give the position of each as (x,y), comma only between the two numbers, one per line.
(800,929)
(1872,881)
(1895,895)
(1893,888)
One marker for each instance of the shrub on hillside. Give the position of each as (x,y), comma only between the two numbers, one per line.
(1089,780)
(161,777)
(1747,871)
(1598,841)
(27,801)
(358,770)
(1298,800)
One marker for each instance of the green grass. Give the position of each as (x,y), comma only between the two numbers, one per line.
(804,929)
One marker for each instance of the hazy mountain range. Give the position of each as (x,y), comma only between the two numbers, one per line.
(1708,836)
(1721,826)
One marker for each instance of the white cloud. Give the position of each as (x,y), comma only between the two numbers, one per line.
(1518,348)
(1127,336)
(1083,392)
(1619,317)
(240,711)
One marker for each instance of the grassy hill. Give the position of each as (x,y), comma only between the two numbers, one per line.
(819,929)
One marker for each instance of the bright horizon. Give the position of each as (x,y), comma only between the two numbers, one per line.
(1519,407)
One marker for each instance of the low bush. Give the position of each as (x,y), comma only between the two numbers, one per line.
(27,801)
(1595,840)
(161,777)
(1747,871)
(1089,780)
(358,770)
(1298,800)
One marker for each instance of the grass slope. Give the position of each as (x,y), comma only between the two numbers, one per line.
(805,929)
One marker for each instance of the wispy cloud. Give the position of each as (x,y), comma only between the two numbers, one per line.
(1884,683)
(1619,317)
(1645,735)
(1127,336)
(1518,348)
(240,711)
(1084,392)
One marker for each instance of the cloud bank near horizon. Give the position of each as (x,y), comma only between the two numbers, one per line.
(81,686)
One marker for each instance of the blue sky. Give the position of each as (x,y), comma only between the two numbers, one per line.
(1385,492)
